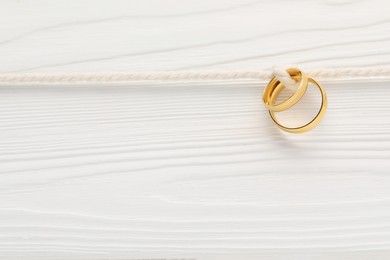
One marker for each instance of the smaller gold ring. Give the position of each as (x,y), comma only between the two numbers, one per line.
(313,122)
(297,75)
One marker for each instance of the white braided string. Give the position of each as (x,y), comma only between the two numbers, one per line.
(282,75)
(264,75)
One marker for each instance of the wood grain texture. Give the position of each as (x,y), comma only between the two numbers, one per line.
(192,170)
(119,35)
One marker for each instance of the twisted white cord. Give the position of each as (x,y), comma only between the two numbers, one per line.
(121,77)
(282,75)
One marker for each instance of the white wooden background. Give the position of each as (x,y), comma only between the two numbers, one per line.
(191,170)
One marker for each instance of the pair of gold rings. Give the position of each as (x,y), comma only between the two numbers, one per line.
(273,89)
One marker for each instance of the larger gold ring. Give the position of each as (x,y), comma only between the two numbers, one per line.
(297,75)
(324,104)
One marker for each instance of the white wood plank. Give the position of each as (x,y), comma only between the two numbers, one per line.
(116,35)
(191,170)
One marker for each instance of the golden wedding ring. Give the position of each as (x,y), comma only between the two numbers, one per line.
(298,76)
(273,90)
